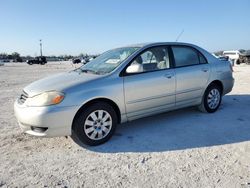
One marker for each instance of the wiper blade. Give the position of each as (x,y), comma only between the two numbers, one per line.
(88,71)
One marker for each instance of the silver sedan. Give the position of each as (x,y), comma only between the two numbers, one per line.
(122,85)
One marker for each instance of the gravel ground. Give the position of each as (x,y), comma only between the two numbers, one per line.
(184,148)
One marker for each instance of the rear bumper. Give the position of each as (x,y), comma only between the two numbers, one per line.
(52,120)
(227,85)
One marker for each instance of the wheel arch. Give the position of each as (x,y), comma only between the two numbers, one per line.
(96,100)
(218,83)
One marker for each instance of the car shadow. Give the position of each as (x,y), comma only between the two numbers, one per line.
(184,129)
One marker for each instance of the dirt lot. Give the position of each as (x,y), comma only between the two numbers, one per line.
(184,148)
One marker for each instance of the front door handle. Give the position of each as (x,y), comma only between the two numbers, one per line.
(169,75)
(204,69)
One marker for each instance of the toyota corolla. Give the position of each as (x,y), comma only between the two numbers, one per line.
(122,85)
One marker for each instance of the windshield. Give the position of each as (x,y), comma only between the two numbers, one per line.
(108,61)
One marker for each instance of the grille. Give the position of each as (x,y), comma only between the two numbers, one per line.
(22,97)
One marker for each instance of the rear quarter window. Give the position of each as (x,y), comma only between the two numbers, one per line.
(202,59)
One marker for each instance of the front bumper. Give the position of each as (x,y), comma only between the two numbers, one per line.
(52,120)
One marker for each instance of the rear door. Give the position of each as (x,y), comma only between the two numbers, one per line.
(152,90)
(192,74)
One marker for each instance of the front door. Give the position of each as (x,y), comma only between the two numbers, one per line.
(152,89)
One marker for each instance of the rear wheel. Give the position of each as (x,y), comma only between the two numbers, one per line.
(95,125)
(211,99)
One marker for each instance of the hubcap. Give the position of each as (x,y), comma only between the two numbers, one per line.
(98,124)
(213,98)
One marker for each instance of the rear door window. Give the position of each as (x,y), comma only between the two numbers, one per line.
(185,56)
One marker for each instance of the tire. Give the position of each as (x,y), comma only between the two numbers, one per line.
(95,125)
(211,99)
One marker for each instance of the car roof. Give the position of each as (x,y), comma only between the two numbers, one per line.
(141,45)
(153,44)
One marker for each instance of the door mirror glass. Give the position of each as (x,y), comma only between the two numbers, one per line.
(134,68)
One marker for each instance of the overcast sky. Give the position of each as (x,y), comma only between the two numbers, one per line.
(73,27)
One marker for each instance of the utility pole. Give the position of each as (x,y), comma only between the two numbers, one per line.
(41,51)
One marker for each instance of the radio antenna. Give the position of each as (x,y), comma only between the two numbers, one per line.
(178,37)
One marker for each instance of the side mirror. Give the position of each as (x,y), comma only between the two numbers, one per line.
(134,68)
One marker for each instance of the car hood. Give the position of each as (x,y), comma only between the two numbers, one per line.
(59,82)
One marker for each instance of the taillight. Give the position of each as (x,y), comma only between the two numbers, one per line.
(231,67)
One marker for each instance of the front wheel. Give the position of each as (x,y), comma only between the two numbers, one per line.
(95,125)
(211,99)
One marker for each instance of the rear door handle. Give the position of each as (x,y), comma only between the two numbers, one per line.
(169,75)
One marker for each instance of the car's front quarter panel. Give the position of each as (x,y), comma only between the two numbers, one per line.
(108,87)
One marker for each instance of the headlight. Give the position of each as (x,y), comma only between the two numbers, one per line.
(45,99)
